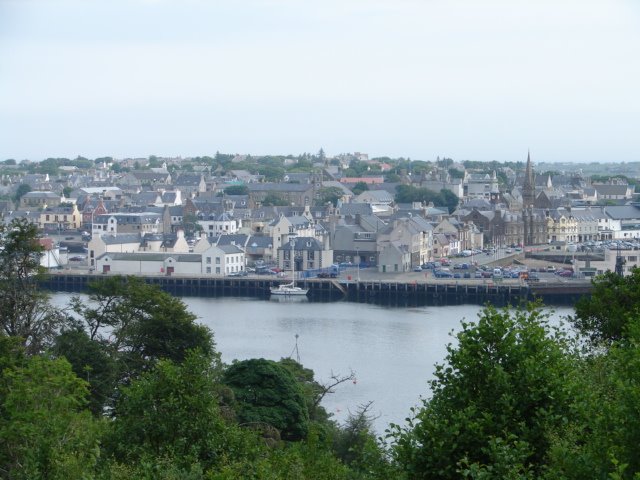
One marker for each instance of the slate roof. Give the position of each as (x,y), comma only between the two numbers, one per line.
(622,212)
(120,238)
(230,249)
(153,257)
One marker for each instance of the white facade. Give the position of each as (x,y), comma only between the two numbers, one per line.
(149,264)
(222,260)
(222,225)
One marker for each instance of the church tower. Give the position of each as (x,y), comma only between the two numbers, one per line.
(528,197)
(529,185)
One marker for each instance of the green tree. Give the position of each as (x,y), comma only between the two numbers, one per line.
(142,323)
(455,173)
(274,199)
(359,187)
(23,189)
(502,389)
(603,315)
(448,199)
(171,411)
(267,393)
(327,195)
(91,361)
(45,432)
(24,308)
(236,190)
(600,439)
(66,191)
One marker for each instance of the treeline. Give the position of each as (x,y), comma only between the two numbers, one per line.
(128,385)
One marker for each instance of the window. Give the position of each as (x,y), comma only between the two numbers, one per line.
(217,260)
(209,260)
(218,270)
(208,269)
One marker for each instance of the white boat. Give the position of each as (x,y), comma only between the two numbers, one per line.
(290,289)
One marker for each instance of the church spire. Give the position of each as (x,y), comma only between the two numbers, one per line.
(529,184)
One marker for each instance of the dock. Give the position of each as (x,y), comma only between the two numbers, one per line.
(395,293)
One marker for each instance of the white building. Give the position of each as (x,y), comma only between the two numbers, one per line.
(223,224)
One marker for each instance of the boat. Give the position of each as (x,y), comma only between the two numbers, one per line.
(290,289)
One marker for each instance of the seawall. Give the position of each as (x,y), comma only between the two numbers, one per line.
(434,292)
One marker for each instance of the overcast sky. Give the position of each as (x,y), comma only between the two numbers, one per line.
(467,79)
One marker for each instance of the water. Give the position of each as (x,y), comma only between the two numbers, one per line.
(391,350)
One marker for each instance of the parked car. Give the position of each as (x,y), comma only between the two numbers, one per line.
(442,274)
(565,273)
(477,274)
(467,275)
(457,275)
(327,275)
(551,269)
(241,273)
(417,268)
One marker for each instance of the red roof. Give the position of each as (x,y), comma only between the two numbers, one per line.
(47,243)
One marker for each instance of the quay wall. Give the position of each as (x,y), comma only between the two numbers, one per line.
(398,293)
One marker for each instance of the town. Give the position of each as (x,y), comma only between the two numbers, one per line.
(233,215)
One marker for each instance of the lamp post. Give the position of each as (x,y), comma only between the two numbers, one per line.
(358,263)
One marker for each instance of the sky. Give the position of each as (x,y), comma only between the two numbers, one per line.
(466,79)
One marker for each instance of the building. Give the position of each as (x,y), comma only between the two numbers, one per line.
(56,219)
(40,200)
(304,253)
(145,222)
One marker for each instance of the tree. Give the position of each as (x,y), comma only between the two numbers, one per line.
(502,389)
(327,195)
(66,191)
(91,361)
(268,393)
(191,225)
(44,430)
(23,189)
(24,308)
(359,187)
(604,315)
(143,323)
(455,173)
(236,190)
(171,412)
(448,199)
(274,199)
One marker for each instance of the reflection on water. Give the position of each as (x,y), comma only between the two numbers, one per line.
(391,350)
(289,299)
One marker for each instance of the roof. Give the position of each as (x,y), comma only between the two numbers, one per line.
(622,212)
(41,194)
(153,257)
(229,249)
(120,238)
(279,187)
(302,243)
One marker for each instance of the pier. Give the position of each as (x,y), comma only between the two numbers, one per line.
(398,293)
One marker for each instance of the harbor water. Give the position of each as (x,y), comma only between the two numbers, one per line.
(391,350)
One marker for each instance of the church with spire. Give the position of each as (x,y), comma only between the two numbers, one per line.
(534,220)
